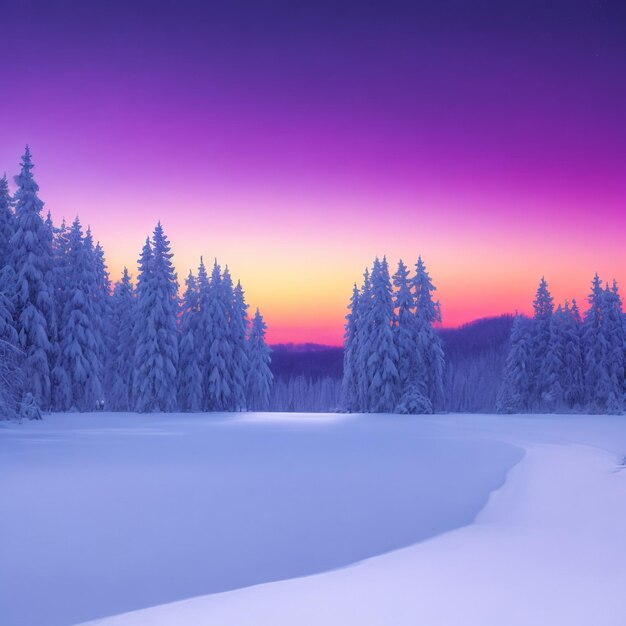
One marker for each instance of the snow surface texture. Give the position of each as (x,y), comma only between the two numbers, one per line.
(548,548)
(106,513)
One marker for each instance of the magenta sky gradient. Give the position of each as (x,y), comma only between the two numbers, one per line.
(296,142)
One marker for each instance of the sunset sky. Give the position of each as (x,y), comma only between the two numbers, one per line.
(295,141)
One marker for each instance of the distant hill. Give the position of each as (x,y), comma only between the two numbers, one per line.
(316,361)
(310,360)
(488,333)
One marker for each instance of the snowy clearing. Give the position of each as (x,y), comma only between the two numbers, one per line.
(106,513)
(548,547)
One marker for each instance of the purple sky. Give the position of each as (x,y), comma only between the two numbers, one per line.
(270,134)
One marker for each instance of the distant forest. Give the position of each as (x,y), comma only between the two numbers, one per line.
(307,377)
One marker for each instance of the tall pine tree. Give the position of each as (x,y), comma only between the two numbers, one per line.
(382,364)
(79,382)
(428,312)
(350,383)
(220,352)
(31,258)
(7,222)
(239,332)
(189,372)
(123,350)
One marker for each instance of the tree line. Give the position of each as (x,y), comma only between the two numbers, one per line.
(393,358)
(560,360)
(70,340)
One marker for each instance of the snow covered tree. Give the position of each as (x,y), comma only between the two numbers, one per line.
(428,312)
(103,317)
(189,372)
(552,367)
(410,362)
(543,306)
(382,363)
(219,384)
(11,377)
(350,385)
(613,324)
(363,347)
(7,221)
(122,307)
(239,332)
(204,331)
(572,373)
(596,349)
(259,386)
(78,371)
(156,354)
(31,259)
(514,394)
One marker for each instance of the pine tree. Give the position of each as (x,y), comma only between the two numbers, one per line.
(189,372)
(363,346)
(239,332)
(31,258)
(514,394)
(123,349)
(572,374)
(103,330)
(259,374)
(543,307)
(156,355)
(7,222)
(204,332)
(220,353)
(410,365)
(613,323)
(79,368)
(350,384)
(595,350)
(11,378)
(382,364)
(553,365)
(430,349)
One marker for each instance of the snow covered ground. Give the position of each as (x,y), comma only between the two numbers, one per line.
(102,514)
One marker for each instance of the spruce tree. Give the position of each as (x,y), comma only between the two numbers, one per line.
(7,222)
(364,341)
(103,329)
(595,350)
(350,383)
(572,373)
(382,364)
(410,366)
(613,322)
(543,306)
(259,386)
(239,332)
(189,372)
(123,350)
(31,258)
(204,331)
(220,353)
(156,354)
(514,394)
(80,384)
(11,377)
(430,349)
(552,370)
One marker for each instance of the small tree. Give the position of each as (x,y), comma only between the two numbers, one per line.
(259,374)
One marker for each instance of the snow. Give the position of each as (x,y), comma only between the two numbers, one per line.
(110,511)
